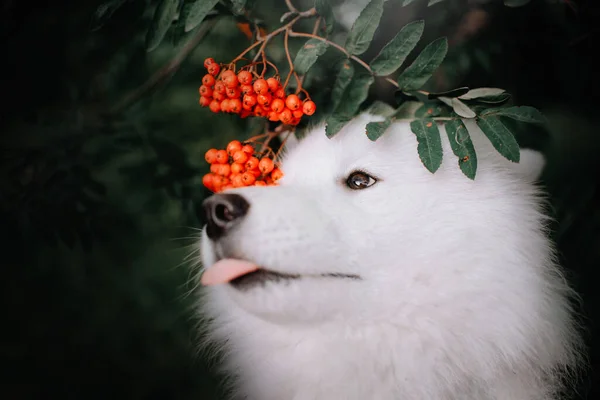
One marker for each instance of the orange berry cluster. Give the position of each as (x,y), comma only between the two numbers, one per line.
(239,166)
(224,91)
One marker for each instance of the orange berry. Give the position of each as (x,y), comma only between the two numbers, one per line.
(237,168)
(230,80)
(233,93)
(215,106)
(277,105)
(226,187)
(214,69)
(309,107)
(248,149)
(259,111)
(219,96)
(264,99)
(204,101)
(247,89)
(208,80)
(244,77)
(207,180)
(279,93)
(237,181)
(286,116)
(214,168)
(273,84)
(240,157)
(225,105)
(294,121)
(248,178)
(233,146)
(208,61)
(297,114)
(249,100)
(292,102)
(220,169)
(252,163)
(245,112)
(260,86)
(220,87)
(260,183)
(266,165)
(255,172)
(235,106)
(276,174)
(205,91)
(211,156)
(221,157)
(273,116)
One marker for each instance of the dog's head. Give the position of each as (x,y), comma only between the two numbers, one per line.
(360,230)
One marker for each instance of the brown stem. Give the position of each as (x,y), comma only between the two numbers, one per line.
(165,72)
(289,57)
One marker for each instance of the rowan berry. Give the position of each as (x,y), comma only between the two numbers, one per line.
(214,168)
(219,96)
(205,91)
(273,116)
(245,112)
(235,106)
(277,105)
(240,157)
(252,163)
(237,168)
(208,80)
(264,99)
(221,157)
(247,89)
(233,146)
(266,165)
(248,178)
(249,100)
(220,87)
(309,107)
(244,77)
(276,174)
(233,93)
(208,61)
(279,93)
(205,101)
(207,180)
(292,102)
(297,114)
(237,181)
(214,69)
(211,156)
(215,106)
(229,79)
(260,183)
(286,116)
(225,105)
(260,86)
(255,172)
(259,111)
(222,169)
(273,84)
(248,149)
(226,187)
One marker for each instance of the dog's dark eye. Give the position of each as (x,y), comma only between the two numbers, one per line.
(360,180)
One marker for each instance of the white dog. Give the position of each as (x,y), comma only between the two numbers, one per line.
(364,276)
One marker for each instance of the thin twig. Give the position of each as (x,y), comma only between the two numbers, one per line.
(165,72)
(289,57)
(314,32)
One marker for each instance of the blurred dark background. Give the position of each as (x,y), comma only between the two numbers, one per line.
(101,159)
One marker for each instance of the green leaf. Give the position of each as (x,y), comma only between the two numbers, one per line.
(376,129)
(364,28)
(380,108)
(198,11)
(342,80)
(429,110)
(334,125)
(482,93)
(104,12)
(355,94)
(432,2)
(393,54)
(407,2)
(462,147)
(515,3)
(419,72)
(459,107)
(430,143)
(161,22)
(501,137)
(522,113)
(450,93)
(324,10)
(237,6)
(308,54)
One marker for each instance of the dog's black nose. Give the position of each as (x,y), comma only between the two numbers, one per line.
(223,212)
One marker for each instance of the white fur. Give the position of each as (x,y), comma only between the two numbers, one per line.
(460,296)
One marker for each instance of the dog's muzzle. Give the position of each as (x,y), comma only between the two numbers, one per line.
(223,212)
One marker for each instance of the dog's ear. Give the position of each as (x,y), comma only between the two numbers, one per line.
(531,164)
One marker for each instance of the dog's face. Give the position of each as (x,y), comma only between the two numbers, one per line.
(361,231)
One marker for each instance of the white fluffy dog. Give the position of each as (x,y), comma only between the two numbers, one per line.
(364,276)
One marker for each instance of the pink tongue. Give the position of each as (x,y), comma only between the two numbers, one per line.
(226,270)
